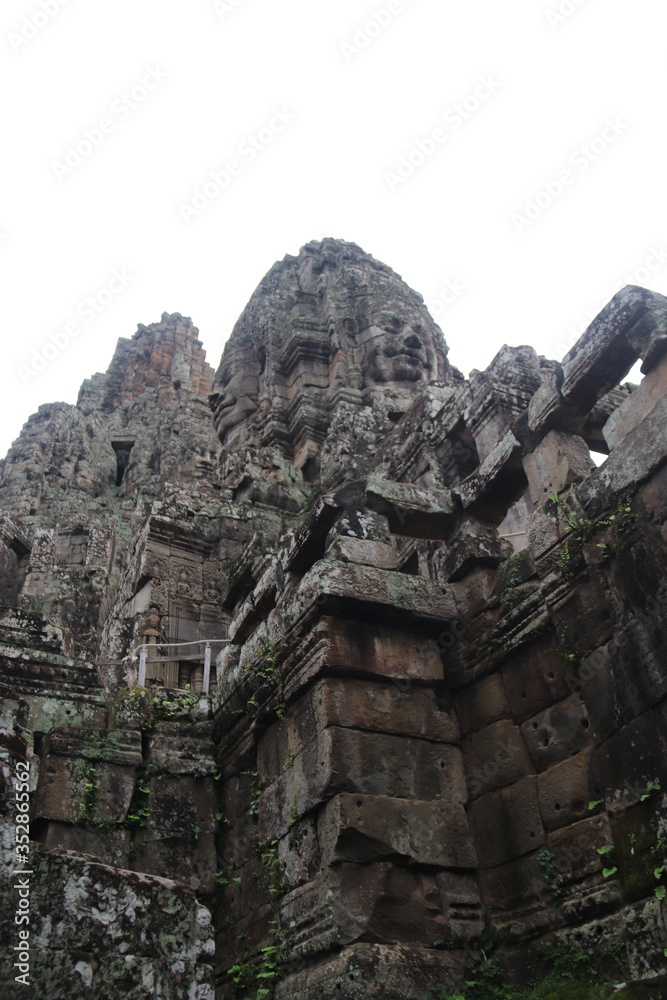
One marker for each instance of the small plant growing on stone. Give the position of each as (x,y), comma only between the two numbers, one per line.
(87,807)
(138,812)
(255,791)
(603,851)
(651,787)
(272,871)
(191,700)
(547,862)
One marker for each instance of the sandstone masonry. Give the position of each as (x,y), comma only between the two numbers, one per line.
(336,671)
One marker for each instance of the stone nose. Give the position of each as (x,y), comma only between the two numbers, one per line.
(412,340)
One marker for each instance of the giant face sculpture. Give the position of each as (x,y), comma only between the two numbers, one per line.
(236,392)
(395,350)
(331,320)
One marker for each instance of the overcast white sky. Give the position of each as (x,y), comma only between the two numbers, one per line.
(116,111)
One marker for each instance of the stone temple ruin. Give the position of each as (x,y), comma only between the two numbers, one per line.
(356,686)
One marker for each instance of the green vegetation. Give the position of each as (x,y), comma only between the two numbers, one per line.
(271,872)
(254,790)
(547,862)
(637,856)
(574,975)
(255,980)
(582,529)
(87,807)
(137,813)
(509,597)
(490,642)
(269,672)
(176,707)
(562,649)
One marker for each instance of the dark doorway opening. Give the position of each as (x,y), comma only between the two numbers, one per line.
(122,449)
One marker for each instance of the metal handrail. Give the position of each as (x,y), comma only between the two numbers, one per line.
(143,658)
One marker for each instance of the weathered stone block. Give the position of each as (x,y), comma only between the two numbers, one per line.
(482,703)
(497,484)
(638,406)
(516,884)
(582,617)
(472,544)
(412,510)
(247,891)
(75,790)
(507,823)
(377,902)
(394,972)
(558,732)
(631,761)
(300,852)
(495,757)
(181,804)
(636,456)
(613,686)
(387,597)
(638,849)
(113,911)
(363,551)
(598,361)
(365,828)
(643,926)
(652,498)
(461,905)
(403,710)
(191,853)
(344,760)
(174,753)
(109,846)
(558,461)
(335,646)
(79,974)
(535,677)
(576,850)
(566,790)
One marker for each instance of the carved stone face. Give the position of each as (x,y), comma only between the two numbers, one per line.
(236,392)
(204,461)
(395,351)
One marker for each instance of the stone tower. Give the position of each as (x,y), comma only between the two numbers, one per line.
(337,674)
